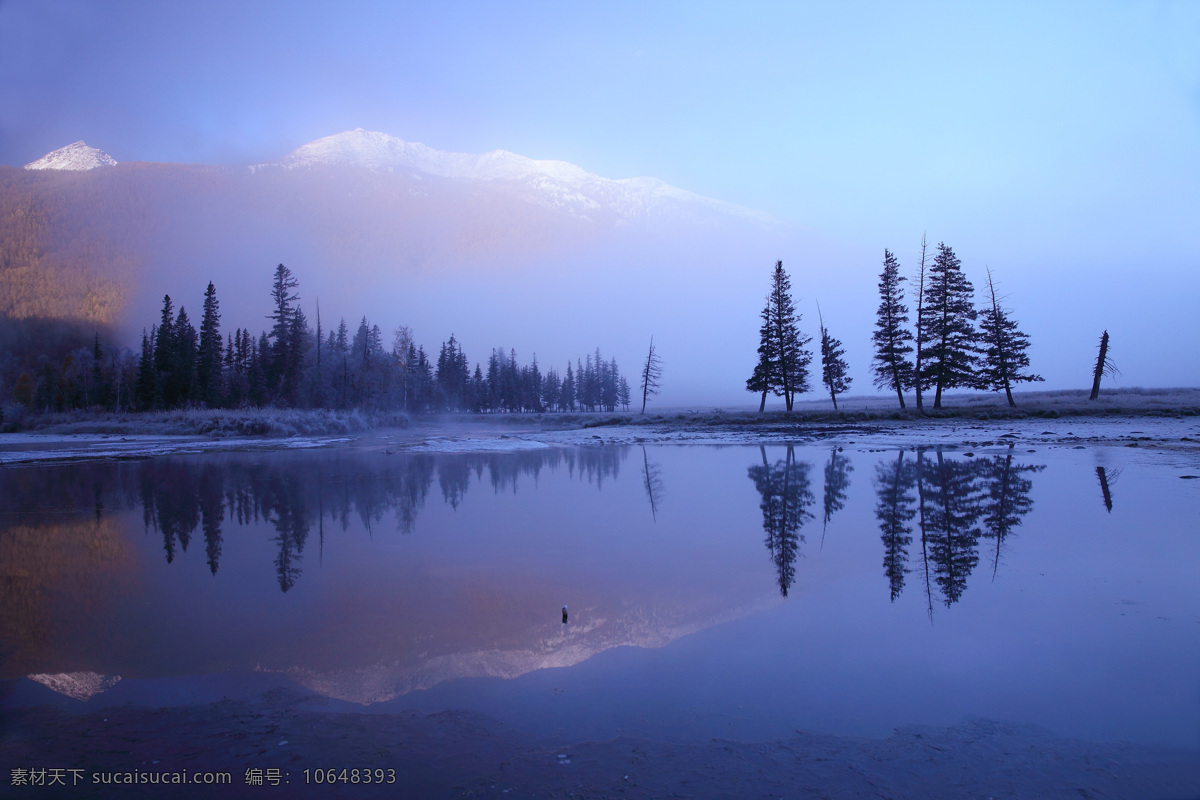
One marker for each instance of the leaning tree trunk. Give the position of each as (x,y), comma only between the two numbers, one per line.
(1101,361)
(762,403)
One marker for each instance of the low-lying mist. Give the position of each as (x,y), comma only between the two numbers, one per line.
(497,269)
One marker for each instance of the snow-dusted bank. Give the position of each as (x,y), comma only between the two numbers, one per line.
(1160,419)
(57,437)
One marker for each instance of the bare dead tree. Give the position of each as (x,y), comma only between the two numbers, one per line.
(921,332)
(1104,366)
(651,372)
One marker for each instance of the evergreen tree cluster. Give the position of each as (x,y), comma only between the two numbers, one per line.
(955,344)
(295,366)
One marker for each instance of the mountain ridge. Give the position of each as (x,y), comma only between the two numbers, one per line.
(556,185)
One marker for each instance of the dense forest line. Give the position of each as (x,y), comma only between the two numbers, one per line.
(293,365)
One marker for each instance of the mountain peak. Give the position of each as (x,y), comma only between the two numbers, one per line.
(557,184)
(385,153)
(76,157)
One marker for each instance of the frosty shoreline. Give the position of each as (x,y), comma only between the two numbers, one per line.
(463,435)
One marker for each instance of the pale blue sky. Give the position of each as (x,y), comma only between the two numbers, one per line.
(1056,142)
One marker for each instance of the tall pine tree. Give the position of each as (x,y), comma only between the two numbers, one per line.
(950,355)
(282,298)
(893,341)
(208,354)
(833,363)
(782,360)
(1005,359)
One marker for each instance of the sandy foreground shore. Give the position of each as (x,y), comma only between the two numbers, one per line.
(462,754)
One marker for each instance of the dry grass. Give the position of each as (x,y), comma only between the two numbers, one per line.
(270,422)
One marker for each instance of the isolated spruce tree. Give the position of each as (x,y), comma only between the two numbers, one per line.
(892,338)
(208,354)
(833,363)
(782,360)
(651,372)
(1005,343)
(948,326)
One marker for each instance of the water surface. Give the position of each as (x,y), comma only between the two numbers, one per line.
(713,591)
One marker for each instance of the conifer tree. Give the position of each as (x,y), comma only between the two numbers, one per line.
(208,354)
(183,374)
(833,363)
(146,375)
(948,325)
(782,360)
(164,355)
(282,298)
(892,338)
(1005,358)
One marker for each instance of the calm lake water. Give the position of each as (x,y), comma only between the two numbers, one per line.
(736,591)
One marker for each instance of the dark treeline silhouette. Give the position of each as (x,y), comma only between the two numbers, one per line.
(786,499)
(292,365)
(297,494)
(951,504)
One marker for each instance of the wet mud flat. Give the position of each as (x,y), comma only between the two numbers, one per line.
(456,754)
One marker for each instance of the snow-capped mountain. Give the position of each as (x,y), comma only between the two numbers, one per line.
(556,184)
(76,157)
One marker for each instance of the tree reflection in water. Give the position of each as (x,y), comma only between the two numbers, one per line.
(894,482)
(837,481)
(954,503)
(294,492)
(652,483)
(958,502)
(294,495)
(786,498)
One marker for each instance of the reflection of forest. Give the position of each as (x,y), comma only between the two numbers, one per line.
(954,504)
(294,492)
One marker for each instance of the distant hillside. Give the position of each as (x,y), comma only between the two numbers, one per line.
(88,245)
